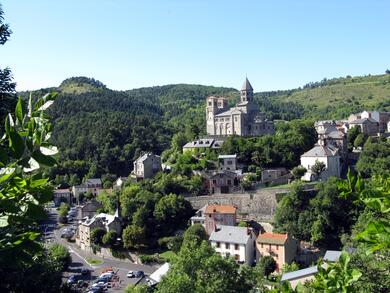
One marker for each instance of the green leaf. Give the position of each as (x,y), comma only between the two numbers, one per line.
(39,182)
(43,159)
(16,143)
(4,221)
(19,111)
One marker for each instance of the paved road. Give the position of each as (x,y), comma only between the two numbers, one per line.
(51,234)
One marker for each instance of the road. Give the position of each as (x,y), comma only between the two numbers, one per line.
(51,234)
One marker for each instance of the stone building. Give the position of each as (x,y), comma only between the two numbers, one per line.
(243,120)
(104,221)
(146,166)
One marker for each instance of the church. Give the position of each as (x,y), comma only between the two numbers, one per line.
(245,119)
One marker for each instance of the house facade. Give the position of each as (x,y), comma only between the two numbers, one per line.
(367,126)
(199,217)
(104,221)
(243,120)
(275,175)
(236,242)
(282,247)
(62,195)
(90,209)
(327,154)
(146,166)
(222,182)
(225,215)
(381,117)
(227,162)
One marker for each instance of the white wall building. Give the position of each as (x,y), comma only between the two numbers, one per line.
(146,166)
(227,162)
(236,242)
(327,154)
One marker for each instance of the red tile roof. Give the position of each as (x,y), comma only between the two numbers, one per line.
(272,238)
(221,209)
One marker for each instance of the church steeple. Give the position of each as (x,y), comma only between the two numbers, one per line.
(246,91)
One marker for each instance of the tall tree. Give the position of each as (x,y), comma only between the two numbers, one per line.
(7,86)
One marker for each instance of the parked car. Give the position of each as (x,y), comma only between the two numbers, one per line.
(130,274)
(85,271)
(139,274)
(72,279)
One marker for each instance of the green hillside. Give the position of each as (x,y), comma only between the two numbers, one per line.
(101,131)
(339,97)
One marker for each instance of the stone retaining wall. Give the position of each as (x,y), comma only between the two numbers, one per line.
(259,205)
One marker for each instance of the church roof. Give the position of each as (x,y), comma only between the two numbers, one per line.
(232,111)
(246,86)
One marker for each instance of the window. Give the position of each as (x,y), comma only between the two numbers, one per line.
(262,245)
(214,181)
(236,246)
(210,103)
(218,245)
(229,182)
(227,245)
(270,246)
(227,254)
(219,104)
(230,162)
(235,119)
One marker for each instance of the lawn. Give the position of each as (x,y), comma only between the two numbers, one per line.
(95,262)
(167,255)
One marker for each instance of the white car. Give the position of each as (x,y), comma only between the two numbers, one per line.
(130,274)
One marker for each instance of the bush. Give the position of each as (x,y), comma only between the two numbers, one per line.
(61,255)
(97,235)
(117,253)
(147,259)
(109,238)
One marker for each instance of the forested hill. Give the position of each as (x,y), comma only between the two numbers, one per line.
(101,131)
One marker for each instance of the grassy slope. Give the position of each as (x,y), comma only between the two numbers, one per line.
(367,92)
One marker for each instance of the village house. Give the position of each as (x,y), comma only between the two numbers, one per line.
(236,242)
(307,274)
(91,185)
(227,162)
(243,120)
(203,144)
(219,215)
(381,117)
(146,166)
(275,175)
(367,126)
(62,195)
(219,182)
(328,154)
(104,221)
(90,208)
(119,182)
(199,217)
(282,247)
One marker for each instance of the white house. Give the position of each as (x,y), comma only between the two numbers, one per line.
(328,154)
(236,242)
(199,217)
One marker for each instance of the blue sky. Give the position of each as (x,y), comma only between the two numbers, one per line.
(131,44)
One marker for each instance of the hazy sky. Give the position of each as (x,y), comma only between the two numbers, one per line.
(131,44)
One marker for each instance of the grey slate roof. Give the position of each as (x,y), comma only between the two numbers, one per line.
(332,255)
(230,234)
(363,120)
(299,273)
(246,85)
(321,151)
(95,181)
